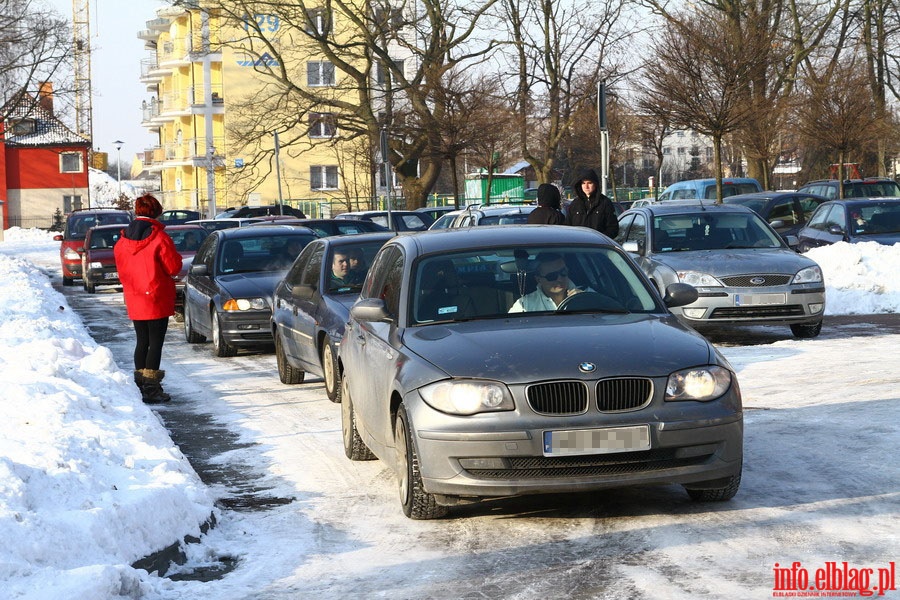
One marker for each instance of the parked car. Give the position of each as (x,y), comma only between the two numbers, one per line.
(786,212)
(403,220)
(310,309)
(327,227)
(77,224)
(98,265)
(446,220)
(435,212)
(263,211)
(463,400)
(745,272)
(853,188)
(705,189)
(178,216)
(223,223)
(187,239)
(229,285)
(853,221)
(495,214)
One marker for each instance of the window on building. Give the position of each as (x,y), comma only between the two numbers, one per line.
(319,73)
(70,162)
(682,150)
(322,125)
(21,126)
(381,72)
(323,177)
(71,203)
(667,150)
(319,22)
(388,20)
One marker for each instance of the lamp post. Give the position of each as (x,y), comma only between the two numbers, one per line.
(118,144)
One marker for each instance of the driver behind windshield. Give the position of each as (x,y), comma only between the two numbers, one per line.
(553,285)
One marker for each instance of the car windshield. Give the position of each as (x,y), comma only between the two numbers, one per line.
(498,282)
(755,204)
(711,231)
(187,240)
(105,238)
(261,253)
(876,218)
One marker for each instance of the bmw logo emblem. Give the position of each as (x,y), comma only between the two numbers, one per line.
(587,367)
(758,280)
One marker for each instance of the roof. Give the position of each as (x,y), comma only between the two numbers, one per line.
(443,240)
(48,129)
(670,208)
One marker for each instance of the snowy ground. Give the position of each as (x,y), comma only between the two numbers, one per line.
(90,481)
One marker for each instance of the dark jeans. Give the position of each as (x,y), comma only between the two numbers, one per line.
(148,348)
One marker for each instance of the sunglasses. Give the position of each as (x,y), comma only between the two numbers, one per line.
(553,275)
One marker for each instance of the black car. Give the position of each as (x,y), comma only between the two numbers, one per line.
(178,216)
(228,288)
(403,220)
(853,221)
(853,188)
(327,227)
(309,309)
(786,212)
(266,211)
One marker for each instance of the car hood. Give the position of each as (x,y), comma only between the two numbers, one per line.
(724,263)
(251,285)
(529,348)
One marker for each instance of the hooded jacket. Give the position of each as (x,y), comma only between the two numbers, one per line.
(596,212)
(147,261)
(547,213)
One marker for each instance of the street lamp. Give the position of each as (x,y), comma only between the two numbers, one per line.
(118,144)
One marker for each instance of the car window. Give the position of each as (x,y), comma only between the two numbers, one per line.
(380,265)
(711,231)
(391,289)
(638,231)
(414,222)
(819,218)
(783,209)
(206,252)
(313,267)
(187,240)
(624,224)
(837,217)
(106,238)
(444,221)
(295,273)
(808,205)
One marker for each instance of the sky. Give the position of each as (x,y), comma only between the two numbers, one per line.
(91,482)
(115,72)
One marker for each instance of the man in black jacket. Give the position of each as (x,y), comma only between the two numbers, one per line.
(590,208)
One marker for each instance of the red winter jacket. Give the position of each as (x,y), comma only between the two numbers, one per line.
(147,261)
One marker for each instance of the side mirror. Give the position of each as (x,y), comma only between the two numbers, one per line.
(199,270)
(776,224)
(680,294)
(302,291)
(791,240)
(371,309)
(836,230)
(633,247)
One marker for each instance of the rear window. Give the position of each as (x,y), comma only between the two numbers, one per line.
(868,189)
(78,224)
(731,189)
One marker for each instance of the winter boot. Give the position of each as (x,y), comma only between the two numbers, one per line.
(139,380)
(152,391)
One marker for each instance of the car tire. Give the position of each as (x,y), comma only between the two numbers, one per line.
(718,494)
(191,336)
(90,288)
(68,281)
(354,446)
(330,372)
(286,373)
(807,331)
(221,348)
(417,503)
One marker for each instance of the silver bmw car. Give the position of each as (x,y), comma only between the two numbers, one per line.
(500,361)
(744,272)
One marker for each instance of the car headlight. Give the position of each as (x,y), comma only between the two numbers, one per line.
(245,304)
(808,275)
(698,279)
(699,383)
(467,397)
(96,265)
(70,254)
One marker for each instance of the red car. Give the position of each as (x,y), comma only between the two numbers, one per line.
(77,224)
(98,265)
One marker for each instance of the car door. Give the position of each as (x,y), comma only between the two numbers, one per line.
(203,288)
(308,304)
(814,234)
(284,309)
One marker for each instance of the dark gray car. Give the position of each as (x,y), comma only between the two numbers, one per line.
(853,221)
(500,361)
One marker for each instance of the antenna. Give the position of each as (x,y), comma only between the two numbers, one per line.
(81,46)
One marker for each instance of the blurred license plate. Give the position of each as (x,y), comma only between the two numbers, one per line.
(759,299)
(112,275)
(597,441)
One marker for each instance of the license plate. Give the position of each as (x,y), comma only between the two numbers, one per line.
(597,441)
(112,275)
(759,299)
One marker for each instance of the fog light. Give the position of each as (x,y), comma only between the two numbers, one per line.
(694,313)
(471,464)
(816,308)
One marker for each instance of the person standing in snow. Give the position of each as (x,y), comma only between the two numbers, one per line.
(548,211)
(147,261)
(590,208)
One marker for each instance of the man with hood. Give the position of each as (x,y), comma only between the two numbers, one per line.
(147,261)
(590,208)
(548,210)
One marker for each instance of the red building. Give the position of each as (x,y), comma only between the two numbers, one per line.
(43,163)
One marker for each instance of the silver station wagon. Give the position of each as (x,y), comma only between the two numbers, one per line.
(501,361)
(744,272)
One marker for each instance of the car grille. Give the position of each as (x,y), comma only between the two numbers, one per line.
(745,280)
(545,467)
(558,398)
(623,394)
(749,312)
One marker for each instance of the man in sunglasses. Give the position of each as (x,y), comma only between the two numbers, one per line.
(553,285)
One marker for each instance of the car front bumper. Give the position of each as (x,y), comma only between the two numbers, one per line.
(245,328)
(106,275)
(778,306)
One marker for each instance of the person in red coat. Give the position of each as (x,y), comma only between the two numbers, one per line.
(147,261)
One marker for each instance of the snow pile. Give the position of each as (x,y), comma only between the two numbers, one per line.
(860,279)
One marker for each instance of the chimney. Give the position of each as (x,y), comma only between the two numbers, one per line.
(45,96)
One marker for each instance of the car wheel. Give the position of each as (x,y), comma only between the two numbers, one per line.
(286,373)
(417,503)
(330,371)
(90,288)
(191,336)
(717,494)
(221,348)
(354,446)
(806,331)
(68,281)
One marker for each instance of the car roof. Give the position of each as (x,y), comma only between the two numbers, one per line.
(672,208)
(442,240)
(252,232)
(185,226)
(357,238)
(866,200)
(503,209)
